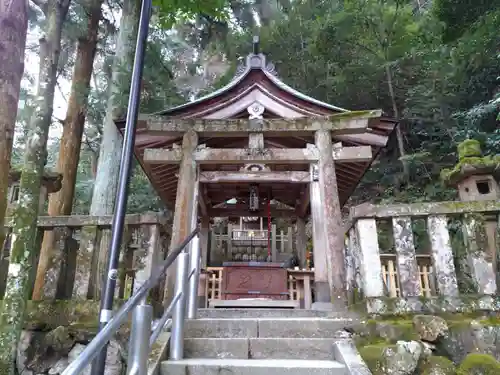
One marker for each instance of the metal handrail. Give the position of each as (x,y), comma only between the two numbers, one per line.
(142,315)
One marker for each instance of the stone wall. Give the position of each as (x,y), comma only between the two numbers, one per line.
(430,344)
(56,332)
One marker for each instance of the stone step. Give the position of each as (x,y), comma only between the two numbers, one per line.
(266,328)
(265,313)
(286,348)
(227,348)
(251,367)
(238,348)
(302,327)
(221,328)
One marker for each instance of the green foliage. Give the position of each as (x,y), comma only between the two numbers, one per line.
(459,15)
(170,12)
(479,364)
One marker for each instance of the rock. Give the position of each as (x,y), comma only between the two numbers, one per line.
(468,338)
(59,367)
(22,353)
(114,363)
(429,327)
(402,360)
(436,365)
(60,340)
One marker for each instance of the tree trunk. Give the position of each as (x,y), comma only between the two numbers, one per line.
(399,134)
(61,203)
(13,29)
(106,181)
(23,249)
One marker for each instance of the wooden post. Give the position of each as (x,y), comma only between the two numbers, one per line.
(442,256)
(409,276)
(282,242)
(332,217)
(289,240)
(204,229)
(274,250)
(229,242)
(301,242)
(321,287)
(184,205)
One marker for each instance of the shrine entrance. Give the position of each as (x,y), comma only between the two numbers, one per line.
(251,163)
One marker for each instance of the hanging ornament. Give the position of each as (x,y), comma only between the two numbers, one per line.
(254,198)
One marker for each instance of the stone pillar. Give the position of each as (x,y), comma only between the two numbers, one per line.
(49,268)
(289,240)
(409,277)
(184,205)
(442,256)
(321,287)
(89,243)
(301,242)
(369,262)
(479,259)
(204,229)
(147,255)
(332,217)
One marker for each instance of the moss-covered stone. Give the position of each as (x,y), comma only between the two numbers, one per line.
(373,355)
(430,327)
(479,364)
(469,148)
(470,161)
(436,365)
(48,315)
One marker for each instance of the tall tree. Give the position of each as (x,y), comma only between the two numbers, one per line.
(26,213)
(61,203)
(13,29)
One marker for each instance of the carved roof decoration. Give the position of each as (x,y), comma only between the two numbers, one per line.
(253,63)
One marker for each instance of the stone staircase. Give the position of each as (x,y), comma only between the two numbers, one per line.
(273,341)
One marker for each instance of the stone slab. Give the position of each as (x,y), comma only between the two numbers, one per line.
(302,328)
(285,348)
(252,367)
(254,304)
(346,353)
(221,328)
(216,348)
(266,313)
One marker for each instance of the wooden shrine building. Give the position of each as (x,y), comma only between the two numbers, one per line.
(257,148)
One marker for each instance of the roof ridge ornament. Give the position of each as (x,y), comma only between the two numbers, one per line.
(256,60)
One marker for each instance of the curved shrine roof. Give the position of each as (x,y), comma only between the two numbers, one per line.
(255,83)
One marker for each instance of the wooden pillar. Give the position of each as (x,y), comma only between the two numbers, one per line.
(332,217)
(229,254)
(204,229)
(301,242)
(289,240)
(184,205)
(321,287)
(274,250)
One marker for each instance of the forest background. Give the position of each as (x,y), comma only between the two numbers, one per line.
(435,66)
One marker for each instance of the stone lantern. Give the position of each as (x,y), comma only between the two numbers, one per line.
(476,178)
(51,183)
